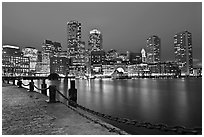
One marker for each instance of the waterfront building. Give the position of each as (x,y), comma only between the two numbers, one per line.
(108,70)
(153,49)
(164,69)
(49,49)
(122,56)
(57,48)
(135,58)
(97,57)
(170,68)
(73,38)
(143,52)
(39,64)
(138,70)
(32,53)
(197,72)
(161,69)
(154,68)
(183,52)
(78,64)
(111,55)
(13,61)
(95,40)
(47,52)
(39,54)
(59,65)
(97,60)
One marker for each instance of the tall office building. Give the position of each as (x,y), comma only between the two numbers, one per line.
(153,49)
(49,49)
(47,52)
(183,52)
(73,38)
(95,40)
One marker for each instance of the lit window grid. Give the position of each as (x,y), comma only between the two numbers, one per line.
(182,49)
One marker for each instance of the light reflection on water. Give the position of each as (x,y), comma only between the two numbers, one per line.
(170,101)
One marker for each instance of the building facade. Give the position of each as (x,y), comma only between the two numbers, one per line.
(47,52)
(143,52)
(97,60)
(73,38)
(183,52)
(153,49)
(49,49)
(59,65)
(32,53)
(13,62)
(135,58)
(95,40)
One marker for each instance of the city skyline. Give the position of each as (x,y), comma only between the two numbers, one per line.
(133,39)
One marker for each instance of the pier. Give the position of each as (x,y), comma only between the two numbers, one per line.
(28,113)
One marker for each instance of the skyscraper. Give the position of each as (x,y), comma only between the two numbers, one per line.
(73,38)
(183,52)
(95,40)
(47,52)
(153,49)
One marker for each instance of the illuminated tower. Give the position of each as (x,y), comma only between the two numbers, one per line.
(153,49)
(183,52)
(47,52)
(143,55)
(95,40)
(73,38)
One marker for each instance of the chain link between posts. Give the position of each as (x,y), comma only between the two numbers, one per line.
(41,88)
(148,125)
(25,84)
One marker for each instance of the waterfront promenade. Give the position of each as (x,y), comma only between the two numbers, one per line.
(28,113)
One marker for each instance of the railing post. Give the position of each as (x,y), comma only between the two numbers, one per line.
(8,81)
(73,94)
(31,85)
(52,91)
(14,81)
(44,86)
(19,83)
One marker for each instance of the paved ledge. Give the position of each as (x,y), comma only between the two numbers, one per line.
(27,113)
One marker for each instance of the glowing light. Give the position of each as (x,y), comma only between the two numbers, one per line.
(10,46)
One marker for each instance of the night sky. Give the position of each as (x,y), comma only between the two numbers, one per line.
(125,26)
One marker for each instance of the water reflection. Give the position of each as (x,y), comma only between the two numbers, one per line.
(170,101)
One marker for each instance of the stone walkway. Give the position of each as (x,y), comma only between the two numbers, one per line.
(27,113)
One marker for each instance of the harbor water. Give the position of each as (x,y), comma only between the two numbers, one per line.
(169,101)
